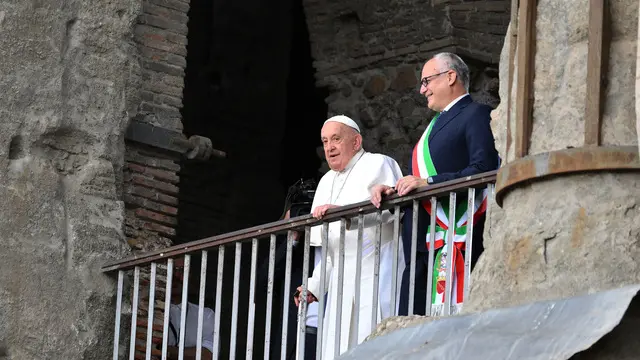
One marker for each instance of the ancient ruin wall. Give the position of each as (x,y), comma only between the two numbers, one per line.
(370,54)
(566,235)
(68,79)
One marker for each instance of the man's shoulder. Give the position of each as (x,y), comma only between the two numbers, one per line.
(379,159)
(325,177)
(479,109)
(206,311)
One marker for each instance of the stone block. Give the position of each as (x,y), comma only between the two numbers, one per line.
(157,217)
(161,186)
(376,85)
(178,5)
(159,66)
(159,174)
(406,77)
(179,16)
(153,33)
(160,86)
(174,26)
(162,56)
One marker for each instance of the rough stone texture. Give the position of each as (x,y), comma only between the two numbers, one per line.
(560,73)
(583,236)
(574,234)
(617,345)
(637,92)
(370,54)
(398,322)
(68,77)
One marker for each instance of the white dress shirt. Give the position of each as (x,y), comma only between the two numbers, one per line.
(454,102)
(191,326)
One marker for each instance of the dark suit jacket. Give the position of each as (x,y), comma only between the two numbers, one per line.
(461,144)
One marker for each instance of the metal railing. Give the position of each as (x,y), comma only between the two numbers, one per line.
(156,268)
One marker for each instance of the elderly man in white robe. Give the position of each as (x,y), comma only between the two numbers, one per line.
(353,172)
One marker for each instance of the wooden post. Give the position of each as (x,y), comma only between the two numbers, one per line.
(595,61)
(524,91)
(512,56)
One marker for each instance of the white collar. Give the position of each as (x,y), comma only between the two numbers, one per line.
(352,162)
(448,107)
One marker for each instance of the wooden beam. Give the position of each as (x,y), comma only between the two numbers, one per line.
(595,62)
(512,56)
(524,97)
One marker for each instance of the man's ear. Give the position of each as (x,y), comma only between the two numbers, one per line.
(452,76)
(358,141)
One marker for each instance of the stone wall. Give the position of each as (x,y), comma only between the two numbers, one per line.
(566,235)
(370,55)
(637,104)
(68,77)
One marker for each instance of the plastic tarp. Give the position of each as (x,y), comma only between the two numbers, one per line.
(545,330)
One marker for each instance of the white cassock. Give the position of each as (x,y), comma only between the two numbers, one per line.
(342,188)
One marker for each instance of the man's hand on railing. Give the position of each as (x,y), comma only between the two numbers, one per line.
(321,210)
(378,192)
(409,183)
(310,297)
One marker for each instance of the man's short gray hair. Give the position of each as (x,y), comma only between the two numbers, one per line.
(455,63)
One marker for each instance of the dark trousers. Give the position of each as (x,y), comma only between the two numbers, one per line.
(309,346)
(420,294)
(422,271)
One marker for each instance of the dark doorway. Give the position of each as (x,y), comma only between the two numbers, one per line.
(250,88)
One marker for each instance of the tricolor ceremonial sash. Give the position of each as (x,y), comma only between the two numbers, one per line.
(423,167)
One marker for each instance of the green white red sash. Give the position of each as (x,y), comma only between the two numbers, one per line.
(423,167)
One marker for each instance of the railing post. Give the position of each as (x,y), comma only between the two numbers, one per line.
(285,296)
(451,228)
(302,314)
(134,312)
(234,306)
(267,331)
(203,285)
(414,253)
(167,308)
(324,235)
(358,289)
(218,311)
(185,304)
(340,290)
(252,296)
(432,251)
(116,335)
(468,246)
(376,273)
(152,293)
(394,265)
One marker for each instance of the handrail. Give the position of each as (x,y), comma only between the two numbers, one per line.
(352,210)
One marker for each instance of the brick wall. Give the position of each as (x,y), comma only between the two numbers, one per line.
(151,198)
(151,180)
(158,312)
(161,36)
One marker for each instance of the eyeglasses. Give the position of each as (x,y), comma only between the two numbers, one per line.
(427,79)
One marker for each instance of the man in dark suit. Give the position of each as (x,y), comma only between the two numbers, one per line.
(459,142)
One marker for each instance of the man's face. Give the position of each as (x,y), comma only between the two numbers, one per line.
(438,85)
(340,143)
